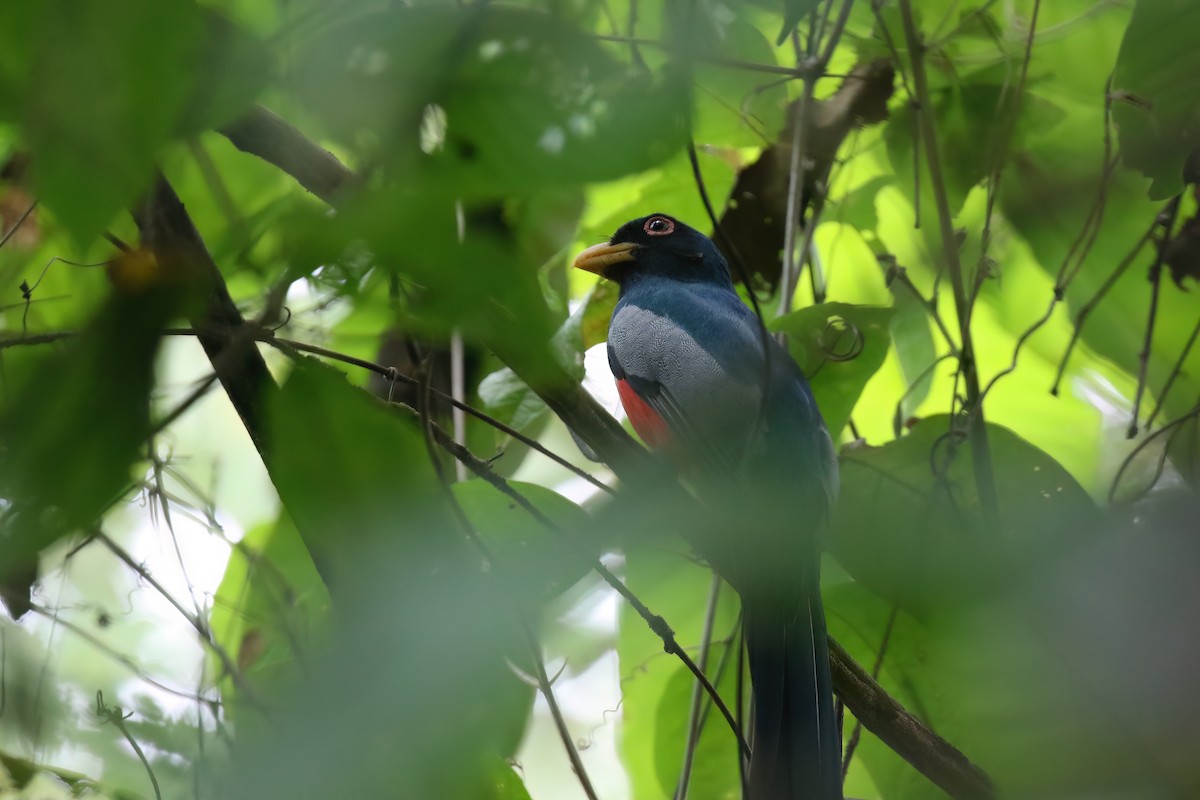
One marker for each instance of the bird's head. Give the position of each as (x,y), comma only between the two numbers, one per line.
(656,246)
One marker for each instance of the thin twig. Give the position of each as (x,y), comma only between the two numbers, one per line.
(657,624)
(1175,372)
(560,722)
(197,623)
(1086,309)
(977,430)
(16,225)
(695,717)
(856,734)
(893,271)
(119,657)
(1142,445)
(115,715)
(796,169)
(268,337)
(535,648)
(1156,269)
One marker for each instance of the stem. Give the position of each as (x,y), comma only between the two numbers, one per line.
(695,718)
(115,716)
(977,430)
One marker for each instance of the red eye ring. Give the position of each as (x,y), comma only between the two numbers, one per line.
(659,226)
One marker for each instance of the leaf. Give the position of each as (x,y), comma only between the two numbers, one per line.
(507,784)
(342,461)
(916,536)
(271,606)
(793,12)
(528,99)
(510,400)
(102,93)
(971,124)
(423,628)
(541,562)
(598,307)
(914,349)
(733,108)
(1155,107)
(856,208)
(73,431)
(656,687)
(839,346)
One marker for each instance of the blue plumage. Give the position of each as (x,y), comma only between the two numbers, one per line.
(741,423)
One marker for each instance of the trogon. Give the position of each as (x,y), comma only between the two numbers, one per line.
(704,384)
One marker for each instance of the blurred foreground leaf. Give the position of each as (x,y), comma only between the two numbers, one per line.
(73,430)
(909,526)
(99,91)
(498,97)
(541,562)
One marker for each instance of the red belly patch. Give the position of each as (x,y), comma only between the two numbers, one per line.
(645,420)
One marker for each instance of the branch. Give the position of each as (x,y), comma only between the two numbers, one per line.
(263,134)
(168,230)
(909,737)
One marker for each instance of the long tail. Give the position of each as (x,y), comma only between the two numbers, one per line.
(797,745)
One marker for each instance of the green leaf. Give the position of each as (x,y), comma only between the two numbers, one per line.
(1156,108)
(598,307)
(101,93)
(793,12)
(423,627)
(914,349)
(733,108)
(656,694)
(839,346)
(73,431)
(857,207)
(270,610)
(510,400)
(507,784)
(342,461)
(971,123)
(528,100)
(916,536)
(542,562)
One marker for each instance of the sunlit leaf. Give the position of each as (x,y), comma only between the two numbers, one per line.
(839,346)
(972,127)
(271,606)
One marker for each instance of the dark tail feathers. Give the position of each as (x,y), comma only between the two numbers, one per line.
(797,745)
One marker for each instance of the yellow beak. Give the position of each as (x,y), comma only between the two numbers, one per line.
(599,257)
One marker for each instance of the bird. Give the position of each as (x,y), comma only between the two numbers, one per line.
(705,385)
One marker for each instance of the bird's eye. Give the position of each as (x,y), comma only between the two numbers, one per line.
(659,226)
